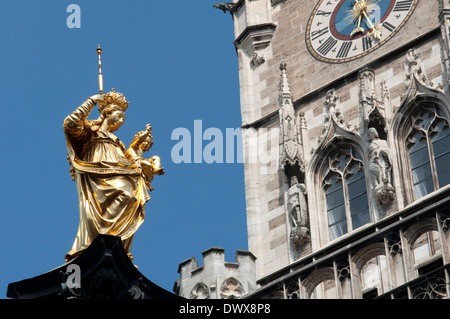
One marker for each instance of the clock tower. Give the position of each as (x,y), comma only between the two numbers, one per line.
(345,121)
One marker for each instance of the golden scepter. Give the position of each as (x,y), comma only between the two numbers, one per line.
(100,75)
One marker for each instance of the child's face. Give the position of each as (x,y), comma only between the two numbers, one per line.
(147,144)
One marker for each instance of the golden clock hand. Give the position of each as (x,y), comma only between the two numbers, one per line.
(358,29)
(355,12)
(375,33)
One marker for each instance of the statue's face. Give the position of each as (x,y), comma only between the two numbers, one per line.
(147,145)
(115,120)
(372,134)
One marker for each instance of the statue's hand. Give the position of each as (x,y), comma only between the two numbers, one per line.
(98,98)
(141,136)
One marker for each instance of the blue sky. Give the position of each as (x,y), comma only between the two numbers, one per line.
(176,63)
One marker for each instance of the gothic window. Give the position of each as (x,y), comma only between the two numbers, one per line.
(345,192)
(428,145)
(425,248)
(374,278)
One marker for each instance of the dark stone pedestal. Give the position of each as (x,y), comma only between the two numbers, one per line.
(103,271)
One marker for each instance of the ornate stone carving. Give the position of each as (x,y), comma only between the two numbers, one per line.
(343,269)
(385,95)
(257,59)
(373,110)
(292,289)
(231,288)
(290,141)
(416,78)
(413,66)
(394,244)
(333,111)
(434,288)
(298,213)
(444,218)
(444,17)
(200,291)
(225,7)
(333,121)
(380,168)
(367,94)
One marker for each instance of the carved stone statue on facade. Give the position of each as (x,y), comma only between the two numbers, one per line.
(298,212)
(332,109)
(257,59)
(380,169)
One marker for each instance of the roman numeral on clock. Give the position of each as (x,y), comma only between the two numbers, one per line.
(388,26)
(345,48)
(366,43)
(327,46)
(323,13)
(318,33)
(403,5)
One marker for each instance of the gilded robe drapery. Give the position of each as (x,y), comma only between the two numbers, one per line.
(111,190)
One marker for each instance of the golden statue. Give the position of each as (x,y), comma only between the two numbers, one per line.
(112,182)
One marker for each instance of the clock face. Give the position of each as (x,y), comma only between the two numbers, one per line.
(344,30)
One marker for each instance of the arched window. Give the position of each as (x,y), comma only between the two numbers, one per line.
(425,248)
(325,290)
(426,245)
(374,277)
(428,145)
(345,192)
(320,284)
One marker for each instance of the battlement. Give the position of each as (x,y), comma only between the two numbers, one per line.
(217,278)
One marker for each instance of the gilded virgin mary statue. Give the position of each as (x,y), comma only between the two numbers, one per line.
(113,182)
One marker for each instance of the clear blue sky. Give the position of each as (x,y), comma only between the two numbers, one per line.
(176,63)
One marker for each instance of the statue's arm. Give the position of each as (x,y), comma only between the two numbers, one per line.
(135,144)
(137,141)
(74,123)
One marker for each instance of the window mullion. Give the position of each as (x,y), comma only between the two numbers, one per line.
(432,162)
(346,194)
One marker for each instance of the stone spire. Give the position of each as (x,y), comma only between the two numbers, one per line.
(290,141)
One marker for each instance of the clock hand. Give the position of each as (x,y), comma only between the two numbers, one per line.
(355,12)
(375,33)
(358,29)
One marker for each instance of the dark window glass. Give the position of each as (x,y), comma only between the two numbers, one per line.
(345,177)
(429,151)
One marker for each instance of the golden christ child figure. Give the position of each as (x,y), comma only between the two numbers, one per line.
(143,142)
(113,183)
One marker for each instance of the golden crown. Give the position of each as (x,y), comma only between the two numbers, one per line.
(115,98)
